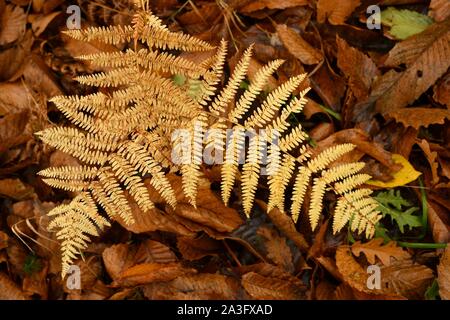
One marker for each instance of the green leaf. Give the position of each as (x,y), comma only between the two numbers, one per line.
(382,232)
(404,23)
(391,203)
(392,198)
(179,79)
(433,291)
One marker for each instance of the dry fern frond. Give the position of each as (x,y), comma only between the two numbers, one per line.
(131,133)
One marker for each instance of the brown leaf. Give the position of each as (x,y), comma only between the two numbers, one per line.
(9,290)
(375,248)
(266,281)
(194,249)
(357,67)
(195,287)
(16,189)
(268,288)
(120,257)
(440,232)
(39,23)
(439,10)
(442,90)
(285,224)
(3,240)
(335,11)
(36,283)
(256,5)
(277,249)
(443,278)
(151,272)
(12,130)
(297,46)
(426,56)
(13,58)
(419,117)
(406,278)
(351,271)
(13,22)
(432,158)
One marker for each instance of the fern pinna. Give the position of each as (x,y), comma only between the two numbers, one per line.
(125,135)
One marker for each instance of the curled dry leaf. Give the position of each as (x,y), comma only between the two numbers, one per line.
(443,278)
(375,249)
(442,90)
(426,56)
(3,240)
(277,249)
(419,117)
(357,67)
(16,189)
(151,272)
(335,11)
(297,46)
(9,290)
(432,158)
(439,230)
(351,271)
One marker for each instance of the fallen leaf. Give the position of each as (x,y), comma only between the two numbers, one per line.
(40,22)
(197,248)
(406,278)
(9,290)
(425,55)
(256,5)
(357,67)
(265,281)
(16,189)
(351,271)
(277,249)
(335,11)
(297,46)
(375,248)
(404,23)
(3,240)
(443,278)
(151,272)
(439,10)
(402,177)
(419,117)
(440,232)
(442,90)
(13,22)
(202,286)
(432,158)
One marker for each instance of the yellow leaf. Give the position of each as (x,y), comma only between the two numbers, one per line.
(401,177)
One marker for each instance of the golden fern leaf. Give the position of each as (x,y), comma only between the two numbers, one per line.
(301,184)
(228,93)
(255,88)
(273,102)
(230,167)
(279,182)
(128,176)
(250,173)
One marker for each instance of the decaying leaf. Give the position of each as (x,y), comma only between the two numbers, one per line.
(425,55)
(151,272)
(13,21)
(419,117)
(439,10)
(443,279)
(256,5)
(335,11)
(277,249)
(297,46)
(432,158)
(404,23)
(357,67)
(375,249)
(400,178)
(9,290)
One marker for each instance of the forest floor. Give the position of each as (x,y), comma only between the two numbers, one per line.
(383,85)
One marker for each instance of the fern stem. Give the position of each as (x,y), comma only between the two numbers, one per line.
(416,245)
